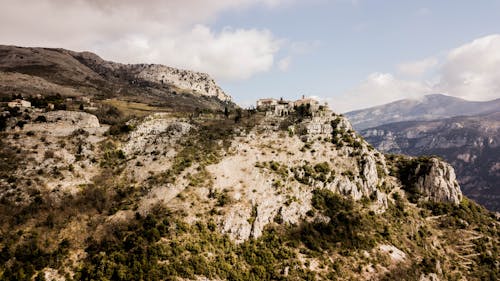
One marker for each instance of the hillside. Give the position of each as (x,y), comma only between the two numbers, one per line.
(241,196)
(48,72)
(429,107)
(470,144)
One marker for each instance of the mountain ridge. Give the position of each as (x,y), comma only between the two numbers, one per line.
(429,107)
(86,74)
(469,143)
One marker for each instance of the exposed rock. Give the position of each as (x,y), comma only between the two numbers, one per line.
(64,123)
(438,183)
(470,144)
(201,83)
(396,254)
(429,179)
(154,132)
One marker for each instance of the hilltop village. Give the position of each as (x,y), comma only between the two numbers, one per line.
(316,118)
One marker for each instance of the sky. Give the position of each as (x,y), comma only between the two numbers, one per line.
(350,53)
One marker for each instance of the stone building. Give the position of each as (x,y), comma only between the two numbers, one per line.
(266,104)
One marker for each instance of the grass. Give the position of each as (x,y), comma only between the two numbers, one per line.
(134,108)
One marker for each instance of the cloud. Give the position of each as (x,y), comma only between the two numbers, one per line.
(378,88)
(284,63)
(175,33)
(417,68)
(470,71)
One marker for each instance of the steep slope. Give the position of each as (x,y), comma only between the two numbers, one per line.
(427,108)
(244,197)
(470,144)
(44,71)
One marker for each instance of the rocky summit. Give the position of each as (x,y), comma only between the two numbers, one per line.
(145,172)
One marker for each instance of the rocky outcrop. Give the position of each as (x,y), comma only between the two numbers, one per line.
(194,82)
(199,83)
(470,144)
(80,119)
(429,179)
(156,132)
(64,123)
(437,182)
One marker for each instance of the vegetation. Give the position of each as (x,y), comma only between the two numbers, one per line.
(338,238)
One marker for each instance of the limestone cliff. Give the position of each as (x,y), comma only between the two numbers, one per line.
(185,80)
(217,193)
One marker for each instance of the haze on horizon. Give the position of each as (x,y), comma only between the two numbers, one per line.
(351,53)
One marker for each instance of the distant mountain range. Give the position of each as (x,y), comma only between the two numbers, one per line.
(430,107)
(469,143)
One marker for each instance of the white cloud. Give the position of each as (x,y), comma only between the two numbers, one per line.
(284,63)
(471,71)
(169,32)
(417,68)
(378,88)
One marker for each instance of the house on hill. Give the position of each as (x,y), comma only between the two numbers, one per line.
(266,104)
(283,107)
(314,104)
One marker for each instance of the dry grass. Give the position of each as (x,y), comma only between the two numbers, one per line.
(134,108)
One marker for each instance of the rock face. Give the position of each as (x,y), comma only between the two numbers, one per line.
(64,123)
(195,82)
(438,182)
(271,175)
(469,144)
(200,83)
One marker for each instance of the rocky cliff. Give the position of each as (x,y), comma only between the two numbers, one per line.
(470,144)
(185,80)
(216,197)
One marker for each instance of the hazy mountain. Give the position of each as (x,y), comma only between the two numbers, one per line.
(45,71)
(429,107)
(471,144)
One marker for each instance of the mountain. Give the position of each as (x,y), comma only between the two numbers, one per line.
(240,196)
(470,143)
(134,172)
(46,71)
(429,107)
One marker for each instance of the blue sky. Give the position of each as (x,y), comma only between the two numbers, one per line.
(352,54)
(350,40)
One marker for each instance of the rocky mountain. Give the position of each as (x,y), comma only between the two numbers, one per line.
(45,71)
(133,172)
(244,196)
(429,107)
(470,144)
